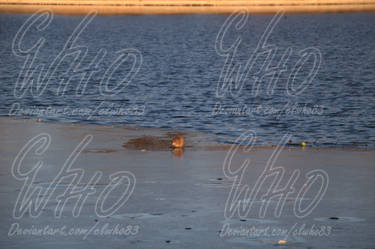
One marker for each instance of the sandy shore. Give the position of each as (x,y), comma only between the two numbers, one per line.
(179,198)
(185,6)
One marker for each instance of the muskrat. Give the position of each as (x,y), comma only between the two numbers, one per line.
(155,143)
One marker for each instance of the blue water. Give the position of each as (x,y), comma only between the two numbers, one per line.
(177,81)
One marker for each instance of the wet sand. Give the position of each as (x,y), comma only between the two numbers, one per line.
(185,6)
(179,198)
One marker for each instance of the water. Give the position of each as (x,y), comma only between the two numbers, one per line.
(176,85)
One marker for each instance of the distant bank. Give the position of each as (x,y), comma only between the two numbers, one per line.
(108,7)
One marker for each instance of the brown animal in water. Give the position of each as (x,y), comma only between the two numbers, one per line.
(178,141)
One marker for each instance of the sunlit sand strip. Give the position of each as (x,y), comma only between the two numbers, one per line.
(186,6)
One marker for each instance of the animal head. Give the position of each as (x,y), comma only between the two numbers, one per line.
(178,141)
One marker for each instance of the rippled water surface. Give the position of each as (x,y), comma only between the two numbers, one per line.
(179,74)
